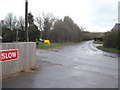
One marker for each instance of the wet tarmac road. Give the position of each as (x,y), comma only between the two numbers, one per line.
(77,66)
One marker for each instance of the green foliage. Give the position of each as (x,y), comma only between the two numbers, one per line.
(45,27)
(87,35)
(34,33)
(47,24)
(8,35)
(66,31)
(21,35)
(118,37)
(12,25)
(30,19)
(111,39)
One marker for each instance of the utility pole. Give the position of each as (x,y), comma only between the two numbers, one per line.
(26,20)
(16,35)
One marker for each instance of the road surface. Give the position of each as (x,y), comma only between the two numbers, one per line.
(76,66)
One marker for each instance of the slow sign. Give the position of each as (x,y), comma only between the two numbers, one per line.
(7,55)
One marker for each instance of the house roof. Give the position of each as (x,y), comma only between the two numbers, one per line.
(99,35)
(116,27)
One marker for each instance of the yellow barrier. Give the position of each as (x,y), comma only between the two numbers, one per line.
(46,41)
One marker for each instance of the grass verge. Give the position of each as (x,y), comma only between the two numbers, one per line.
(48,46)
(41,45)
(98,42)
(113,50)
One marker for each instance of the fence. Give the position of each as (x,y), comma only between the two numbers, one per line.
(26,60)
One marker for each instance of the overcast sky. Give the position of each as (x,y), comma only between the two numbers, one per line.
(95,15)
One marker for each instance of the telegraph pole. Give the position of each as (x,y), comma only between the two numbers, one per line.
(26,20)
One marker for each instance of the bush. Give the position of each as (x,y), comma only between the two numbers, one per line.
(111,39)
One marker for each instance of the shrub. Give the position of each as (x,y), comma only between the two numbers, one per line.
(111,39)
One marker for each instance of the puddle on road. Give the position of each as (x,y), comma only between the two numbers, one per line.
(54,50)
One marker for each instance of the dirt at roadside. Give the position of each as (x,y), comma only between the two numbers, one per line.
(32,70)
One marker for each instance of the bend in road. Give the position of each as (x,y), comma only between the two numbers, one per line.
(77,66)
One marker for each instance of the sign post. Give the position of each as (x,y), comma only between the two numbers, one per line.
(26,20)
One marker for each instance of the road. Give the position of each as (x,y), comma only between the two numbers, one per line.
(75,66)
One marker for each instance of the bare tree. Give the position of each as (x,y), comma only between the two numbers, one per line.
(10,21)
(21,23)
(39,22)
(48,20)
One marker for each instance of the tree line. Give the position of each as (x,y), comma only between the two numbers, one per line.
(111,39)
(43,27)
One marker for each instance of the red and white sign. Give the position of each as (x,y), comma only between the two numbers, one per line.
(7,55)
